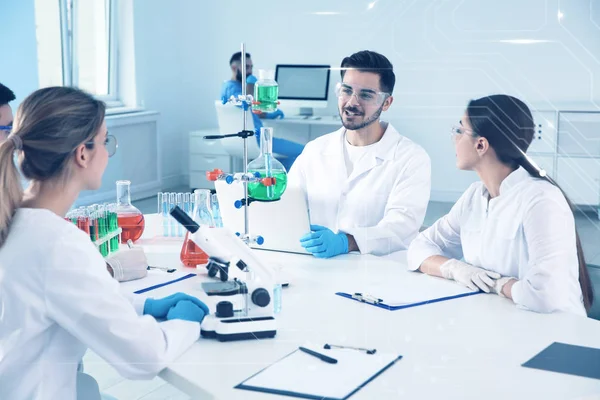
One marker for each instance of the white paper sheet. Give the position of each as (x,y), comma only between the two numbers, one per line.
(305,374)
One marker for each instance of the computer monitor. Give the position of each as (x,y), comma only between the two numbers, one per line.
(304,86)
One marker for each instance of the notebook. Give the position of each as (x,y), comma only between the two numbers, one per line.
(568,359)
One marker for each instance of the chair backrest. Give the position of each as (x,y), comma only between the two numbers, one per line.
(594,271)
(229,118)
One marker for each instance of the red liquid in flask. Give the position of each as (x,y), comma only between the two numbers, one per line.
(132,226)
(192,255)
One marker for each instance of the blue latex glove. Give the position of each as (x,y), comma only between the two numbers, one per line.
(187,311)
(323,243)
(275,114)
(159,308)
(251,79)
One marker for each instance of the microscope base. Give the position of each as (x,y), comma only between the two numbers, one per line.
(231,329)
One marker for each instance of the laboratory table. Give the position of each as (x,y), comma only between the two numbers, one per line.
(465,348)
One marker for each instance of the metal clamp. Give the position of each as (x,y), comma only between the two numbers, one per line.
(367,298)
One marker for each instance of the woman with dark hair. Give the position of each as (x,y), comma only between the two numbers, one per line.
(515,229)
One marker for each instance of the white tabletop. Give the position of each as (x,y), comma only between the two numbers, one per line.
(467,348)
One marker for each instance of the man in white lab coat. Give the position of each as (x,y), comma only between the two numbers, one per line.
(367,186)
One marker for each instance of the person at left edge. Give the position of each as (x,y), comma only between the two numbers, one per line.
(56,297)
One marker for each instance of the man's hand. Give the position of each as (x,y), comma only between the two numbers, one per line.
(323,243)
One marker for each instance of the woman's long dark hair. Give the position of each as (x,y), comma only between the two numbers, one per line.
(507,124)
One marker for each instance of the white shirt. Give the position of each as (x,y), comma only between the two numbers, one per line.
(352,154)
(57,299)
(381,203)
(527,232)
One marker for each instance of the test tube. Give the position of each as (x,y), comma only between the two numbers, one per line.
(186,204)
(165,213)
(160,199)
(179,198)
(83,221)
(106,228)
(172,224)
(192,203)
(93,226)
(102,230)
(113,225)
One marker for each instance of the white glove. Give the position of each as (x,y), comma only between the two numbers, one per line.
(472,277)
(128,264)
(500,284)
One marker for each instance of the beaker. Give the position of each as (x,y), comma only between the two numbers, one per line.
(268,167)
(191,254)
(130,219)
(266,92)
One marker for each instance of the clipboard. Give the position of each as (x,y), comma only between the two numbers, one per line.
(304,376)
(154,280)
(381,302)
(164,284)
(414,292)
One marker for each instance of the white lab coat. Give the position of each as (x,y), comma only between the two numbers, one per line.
(57,299)
(527,232)
(381,204)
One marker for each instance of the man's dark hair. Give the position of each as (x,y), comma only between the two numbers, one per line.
(237,57)
(369,61)
(6,95)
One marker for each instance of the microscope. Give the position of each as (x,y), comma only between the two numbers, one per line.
(247,308)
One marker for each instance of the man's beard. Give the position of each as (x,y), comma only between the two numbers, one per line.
(238,76)
(353,126)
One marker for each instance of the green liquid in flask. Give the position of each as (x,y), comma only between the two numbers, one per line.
(267,98)
(261,192)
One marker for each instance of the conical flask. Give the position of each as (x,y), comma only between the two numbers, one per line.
(268,167)
(191,255)
(129,218)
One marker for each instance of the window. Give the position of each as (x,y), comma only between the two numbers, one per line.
(77,46)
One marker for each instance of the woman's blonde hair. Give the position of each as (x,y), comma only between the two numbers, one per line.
(49,125)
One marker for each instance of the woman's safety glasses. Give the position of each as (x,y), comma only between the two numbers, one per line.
(110,143)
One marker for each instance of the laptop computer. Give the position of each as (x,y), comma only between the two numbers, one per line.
(281,223)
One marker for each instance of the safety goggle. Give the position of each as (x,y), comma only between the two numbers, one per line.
(7,129)
(110,143)
(459,130)
(364,95)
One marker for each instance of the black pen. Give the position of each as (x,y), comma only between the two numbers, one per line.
(318,355)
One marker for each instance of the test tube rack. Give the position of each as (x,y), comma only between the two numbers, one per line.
(99,242)
(100,223)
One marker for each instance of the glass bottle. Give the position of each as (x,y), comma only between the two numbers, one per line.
(266,91)
(129,218)
(268,167)
(192,255)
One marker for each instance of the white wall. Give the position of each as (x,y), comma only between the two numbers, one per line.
(158,58)
(138,155)
(18,65)
(444,53)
